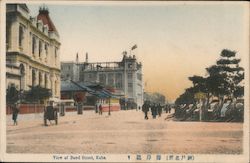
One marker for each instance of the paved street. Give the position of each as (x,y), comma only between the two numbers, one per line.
(123,132)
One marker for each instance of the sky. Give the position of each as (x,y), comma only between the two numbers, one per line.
(174,40)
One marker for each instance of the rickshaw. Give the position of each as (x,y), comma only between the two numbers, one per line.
(50,113)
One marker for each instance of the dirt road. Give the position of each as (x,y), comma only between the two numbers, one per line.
(124,132)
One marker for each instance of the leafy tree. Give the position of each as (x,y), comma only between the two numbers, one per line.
(37,94)
(12,95)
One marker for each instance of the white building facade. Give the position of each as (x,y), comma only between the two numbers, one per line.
(32,50)
(125,76)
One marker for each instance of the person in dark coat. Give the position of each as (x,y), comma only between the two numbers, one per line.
(100,109)
(154,110)
(166,108)
(15,112)
(169,109)
(96,108)
(145,109)
(159,110)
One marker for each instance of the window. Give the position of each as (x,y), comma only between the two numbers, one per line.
(139,77)
(46,81)
(33,44)
(33,77)
(40,48)
(40,79)
(130,65)
(46,48)
(21,35)
(56,49)
(102,79)
(110,79)
(118,80)
(130,86)
(8,34)
(130,75)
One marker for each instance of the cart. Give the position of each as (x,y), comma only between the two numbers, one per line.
(50,113)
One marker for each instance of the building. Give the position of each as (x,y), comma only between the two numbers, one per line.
(124,76)
(32,49)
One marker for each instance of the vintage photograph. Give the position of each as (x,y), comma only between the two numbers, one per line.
(126,81)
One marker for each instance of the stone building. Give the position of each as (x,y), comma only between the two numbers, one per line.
(124,76)
(32,49)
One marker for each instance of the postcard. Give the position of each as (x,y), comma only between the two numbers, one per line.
(124,81)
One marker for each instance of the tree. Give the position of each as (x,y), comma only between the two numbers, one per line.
(225,77)
(187,97)
(37,94)
(12,95)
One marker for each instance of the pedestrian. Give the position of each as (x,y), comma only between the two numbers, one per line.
(169,109)
(166,108)
(154,110)
(139,108)
(96,108)
(159,109)
(15,111)
(145,109)
(100,109)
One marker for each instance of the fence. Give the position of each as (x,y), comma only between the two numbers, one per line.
(27,109)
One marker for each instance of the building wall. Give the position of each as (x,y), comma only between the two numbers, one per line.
(69,70)
(123,76)
(31,47)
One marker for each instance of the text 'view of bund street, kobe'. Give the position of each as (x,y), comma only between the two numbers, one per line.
(75,83)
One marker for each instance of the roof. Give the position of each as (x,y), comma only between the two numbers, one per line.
(68,85)
(94,89)
(45,18)
(24,6)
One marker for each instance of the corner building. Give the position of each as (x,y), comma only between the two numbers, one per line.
(32,49)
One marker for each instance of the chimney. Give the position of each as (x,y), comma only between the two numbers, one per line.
(43,10)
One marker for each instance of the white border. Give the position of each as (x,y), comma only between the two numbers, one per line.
(112,157)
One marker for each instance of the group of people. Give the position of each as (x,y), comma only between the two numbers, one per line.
(156,109)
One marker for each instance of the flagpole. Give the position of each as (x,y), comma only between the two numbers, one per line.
(125,79)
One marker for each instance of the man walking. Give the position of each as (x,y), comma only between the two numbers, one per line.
(159,109)
(145,109)
(15,111)
(154,110)
(100,109)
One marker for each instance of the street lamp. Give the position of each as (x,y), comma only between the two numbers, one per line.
(109,106)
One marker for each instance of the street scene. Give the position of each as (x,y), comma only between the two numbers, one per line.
(124,131)
(126,78)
